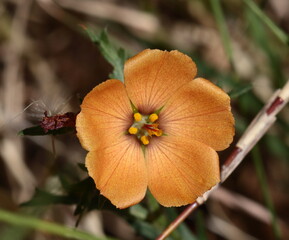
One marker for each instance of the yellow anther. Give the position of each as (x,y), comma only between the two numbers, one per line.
(145,140)
(153,117)
(133,130)
(137,117)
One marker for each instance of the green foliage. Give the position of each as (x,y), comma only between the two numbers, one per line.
(115,56)
(81,193)
(39,131)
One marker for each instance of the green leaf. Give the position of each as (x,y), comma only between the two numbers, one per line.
(39,131)
(86,196)
(116,57)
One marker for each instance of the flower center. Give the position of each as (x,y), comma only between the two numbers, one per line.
(144,127)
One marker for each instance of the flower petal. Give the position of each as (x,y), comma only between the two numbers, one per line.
(105,114)
(200,111)
(180,170)
(152,76)
(119,171)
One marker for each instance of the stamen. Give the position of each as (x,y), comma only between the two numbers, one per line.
(137,117)
(133,130)
(144,140)
(153,117)
(145,127)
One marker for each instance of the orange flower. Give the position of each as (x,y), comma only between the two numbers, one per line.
(160,130)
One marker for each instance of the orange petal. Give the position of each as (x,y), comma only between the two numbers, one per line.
(200,111)
(180,170)
(119,171)
(152,76)
(105,114)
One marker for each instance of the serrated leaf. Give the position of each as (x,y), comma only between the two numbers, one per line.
(116,57)
(87,196)
(39,131)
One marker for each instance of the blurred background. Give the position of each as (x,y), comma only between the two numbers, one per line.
(48,63)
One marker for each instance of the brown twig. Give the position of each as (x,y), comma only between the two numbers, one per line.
(258,127)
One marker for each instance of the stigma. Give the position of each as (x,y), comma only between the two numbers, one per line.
(145,127)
